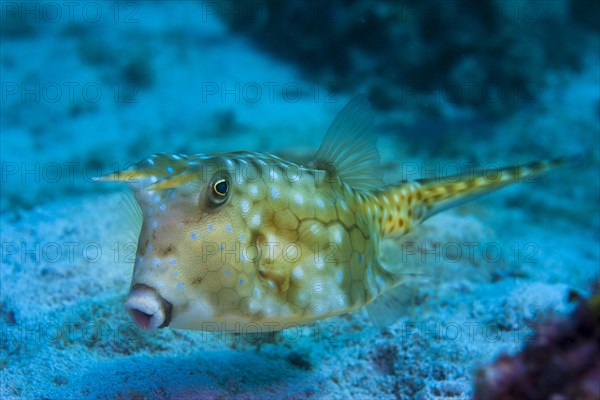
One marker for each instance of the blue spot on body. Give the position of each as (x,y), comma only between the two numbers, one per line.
(242,237)
(176,274)
(169,170)
(210,228)
(227,272)
(173,261)
(221,248)
(150,161)
(228,228)
(194,236)
(241,281)
(138,260)
(154,224)
(180,285)
(360,257)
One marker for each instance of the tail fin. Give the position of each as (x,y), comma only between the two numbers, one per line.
(405,205)
(451,191)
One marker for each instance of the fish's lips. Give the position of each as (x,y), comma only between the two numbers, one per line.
(148,309)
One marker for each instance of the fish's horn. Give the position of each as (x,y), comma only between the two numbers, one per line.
(169,183)
(128,175)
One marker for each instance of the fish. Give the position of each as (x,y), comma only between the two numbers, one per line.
(251,242)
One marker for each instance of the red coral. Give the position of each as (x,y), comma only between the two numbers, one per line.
(562,362)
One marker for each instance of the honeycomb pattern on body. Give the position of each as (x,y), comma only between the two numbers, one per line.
(289,244)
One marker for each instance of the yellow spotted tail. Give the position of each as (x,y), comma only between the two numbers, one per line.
(403,206)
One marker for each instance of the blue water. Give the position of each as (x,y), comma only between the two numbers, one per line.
(91,87)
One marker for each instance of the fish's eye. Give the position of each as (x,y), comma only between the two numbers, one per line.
(218,190)
(221,187)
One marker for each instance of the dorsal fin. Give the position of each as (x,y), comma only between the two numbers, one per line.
(349,148)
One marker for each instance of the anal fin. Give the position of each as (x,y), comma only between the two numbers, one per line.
(393,305)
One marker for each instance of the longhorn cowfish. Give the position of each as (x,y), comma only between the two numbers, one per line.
(247,241)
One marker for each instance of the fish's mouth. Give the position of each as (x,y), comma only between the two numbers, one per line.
(148,309)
